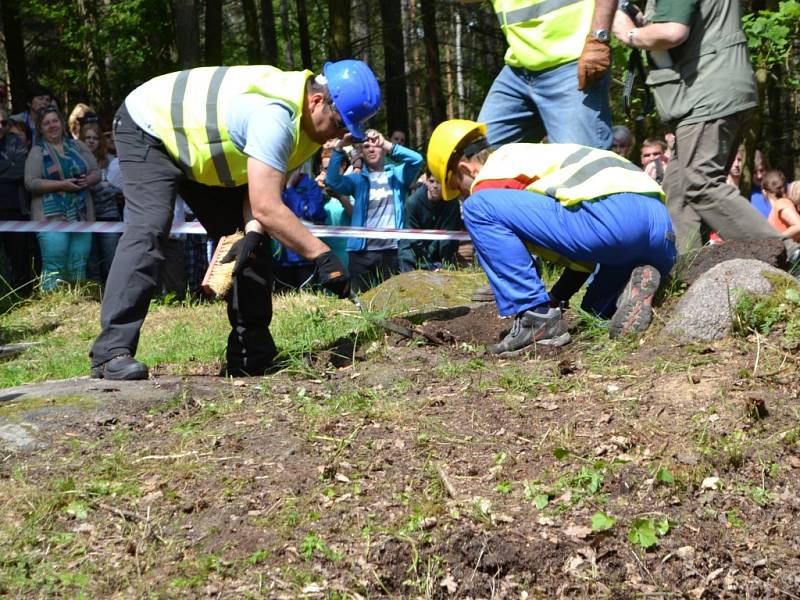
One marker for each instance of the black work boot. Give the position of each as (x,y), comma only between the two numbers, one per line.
(530,328)
(121,368)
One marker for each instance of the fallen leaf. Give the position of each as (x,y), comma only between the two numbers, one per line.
(573,563)
(578,531)
(685,552)
(449,584)
(714,574)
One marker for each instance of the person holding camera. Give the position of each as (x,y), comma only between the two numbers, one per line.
(59,172)
(653,158)
(378,192)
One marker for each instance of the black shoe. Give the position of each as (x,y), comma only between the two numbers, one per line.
(530,328)
(121,368)
(635,304)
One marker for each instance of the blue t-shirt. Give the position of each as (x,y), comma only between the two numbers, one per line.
(758,200)
(262,127)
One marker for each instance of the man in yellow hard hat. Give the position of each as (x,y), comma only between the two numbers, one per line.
(579,203)
(224,139)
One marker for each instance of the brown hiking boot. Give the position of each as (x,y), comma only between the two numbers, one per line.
(635,304)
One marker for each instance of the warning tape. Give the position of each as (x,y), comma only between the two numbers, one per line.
(196,228)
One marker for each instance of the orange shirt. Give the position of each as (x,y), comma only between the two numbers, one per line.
(774,218)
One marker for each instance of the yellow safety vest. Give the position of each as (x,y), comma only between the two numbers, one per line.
(189,110)
(569,173)
(542,34)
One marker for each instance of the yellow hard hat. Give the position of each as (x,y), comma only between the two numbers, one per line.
(445,140)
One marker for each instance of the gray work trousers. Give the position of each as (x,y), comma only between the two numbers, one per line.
(697,189)
(152,180)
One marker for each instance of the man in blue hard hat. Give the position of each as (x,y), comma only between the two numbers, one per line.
(223,138)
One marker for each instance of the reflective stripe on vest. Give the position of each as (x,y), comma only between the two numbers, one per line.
(544,34)
(569,173)
(193,126)
(528,13)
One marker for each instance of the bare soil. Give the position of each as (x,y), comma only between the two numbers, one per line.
(425,471)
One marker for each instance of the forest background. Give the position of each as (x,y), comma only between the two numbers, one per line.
(435,59)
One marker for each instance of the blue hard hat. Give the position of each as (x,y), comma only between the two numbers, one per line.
(354,91)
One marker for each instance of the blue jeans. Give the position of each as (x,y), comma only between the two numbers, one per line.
(104,246)
(620,232)
(523,106)
(64,256)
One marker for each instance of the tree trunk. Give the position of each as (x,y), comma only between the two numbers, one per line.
(287,35)
(339,43)
(15,54)
(96,80)
(187,33)
(459,66)
(437,109)
(305,42)
(394,53)
(213,46)
(269,36)
(253,43)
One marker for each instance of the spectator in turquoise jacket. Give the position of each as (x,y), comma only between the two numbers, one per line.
(379,192)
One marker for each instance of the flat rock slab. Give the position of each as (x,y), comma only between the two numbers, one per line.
(691,266)
(704,312)
(32,415)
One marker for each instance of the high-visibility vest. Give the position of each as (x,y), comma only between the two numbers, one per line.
(542,34)
(569,173)
(189,109)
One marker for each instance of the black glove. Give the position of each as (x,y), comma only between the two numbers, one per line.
(333,275)
(246,251)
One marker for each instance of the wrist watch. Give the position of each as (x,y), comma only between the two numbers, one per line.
(601,35)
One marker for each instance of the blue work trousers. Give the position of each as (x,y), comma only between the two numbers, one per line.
(620,232)
(523,106)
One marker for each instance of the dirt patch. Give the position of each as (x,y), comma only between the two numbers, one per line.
(770,251)
(422,471)
(480,326)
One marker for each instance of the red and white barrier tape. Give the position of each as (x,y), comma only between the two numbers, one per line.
(195,227)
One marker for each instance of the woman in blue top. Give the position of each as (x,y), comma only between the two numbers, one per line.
(59,172)
(379,193)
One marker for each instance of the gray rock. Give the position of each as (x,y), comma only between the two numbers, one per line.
(704,312)
(18,437)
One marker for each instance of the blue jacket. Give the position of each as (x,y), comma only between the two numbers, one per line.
(401,176)
(305,200)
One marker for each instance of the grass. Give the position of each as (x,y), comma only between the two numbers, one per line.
(185,337)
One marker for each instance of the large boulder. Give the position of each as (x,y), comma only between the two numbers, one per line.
(420,291)
(704,313)
(692,265)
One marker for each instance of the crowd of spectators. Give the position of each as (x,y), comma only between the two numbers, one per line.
(65,169)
